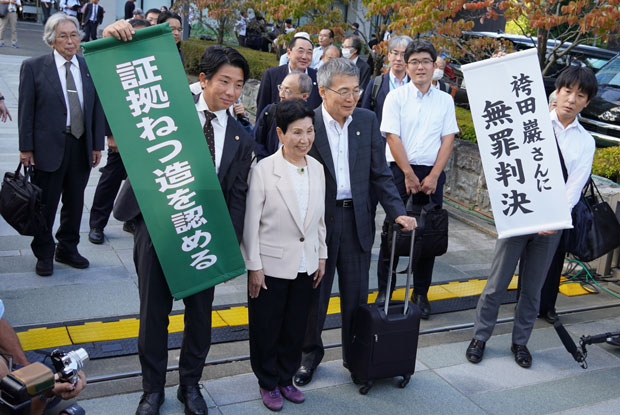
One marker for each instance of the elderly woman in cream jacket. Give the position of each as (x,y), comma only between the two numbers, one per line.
(284,250)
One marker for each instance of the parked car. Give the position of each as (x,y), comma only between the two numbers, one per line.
(602,116)
(582,55)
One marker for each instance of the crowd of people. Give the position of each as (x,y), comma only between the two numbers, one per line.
(330,142)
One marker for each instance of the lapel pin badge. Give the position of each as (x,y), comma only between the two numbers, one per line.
(357,133)
(237,138)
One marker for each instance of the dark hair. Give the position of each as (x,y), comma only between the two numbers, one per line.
(356,25)
(138,23)
(356,43)
(288,21)
(293,42)
(215,56)
(289,111)
(580,77)
(156,11)
(419,46)
(331,32)
(164,16)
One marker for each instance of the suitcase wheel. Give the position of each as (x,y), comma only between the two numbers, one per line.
(356,380)
(364,389)
(405,381)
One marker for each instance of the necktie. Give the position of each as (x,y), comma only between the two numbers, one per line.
(209,134)
(75,109)
(94,16)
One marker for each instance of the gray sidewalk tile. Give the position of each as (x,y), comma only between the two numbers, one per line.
(609,407)
(495,374)
(588,388)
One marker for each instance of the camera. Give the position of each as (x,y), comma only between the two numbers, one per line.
(19,387)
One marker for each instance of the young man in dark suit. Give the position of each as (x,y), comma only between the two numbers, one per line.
(299,52)
(351,49)
(223,74)
(61,126)
(349,145)
(92,18)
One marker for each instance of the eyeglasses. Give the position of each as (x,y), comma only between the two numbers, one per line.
(397,54)
(74,36)
(346,94)
(424,62)
(285,90)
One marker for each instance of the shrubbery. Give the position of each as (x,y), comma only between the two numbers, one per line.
(466,125)
(194,48)
(607,162)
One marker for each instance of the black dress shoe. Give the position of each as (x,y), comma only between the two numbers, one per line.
(96,236)
(475,351)
(129,227)
(74,260)
(150,403)
(45,267)
(191,397)
(423,304)
(380,297)
(522,355)
(550,316)
(303,376)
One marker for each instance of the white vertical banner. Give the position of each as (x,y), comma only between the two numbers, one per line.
(517,144)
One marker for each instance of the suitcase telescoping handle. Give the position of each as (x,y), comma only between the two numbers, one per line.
(396,228)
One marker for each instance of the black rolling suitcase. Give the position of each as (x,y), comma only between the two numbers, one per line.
(385,337)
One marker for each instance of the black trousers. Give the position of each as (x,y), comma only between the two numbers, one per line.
(549,291)
(90,31)
(46,11)
(112,176)
(423,268)
(69,181)
(345,254)
(155,305)
(277,321)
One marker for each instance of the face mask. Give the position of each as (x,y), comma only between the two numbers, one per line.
(347,53)
(437,74)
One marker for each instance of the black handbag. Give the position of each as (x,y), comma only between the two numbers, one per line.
(596,230)
(431,235)
(4,9)
(20,202)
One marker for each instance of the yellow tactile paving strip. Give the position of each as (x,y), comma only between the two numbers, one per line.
(41,338)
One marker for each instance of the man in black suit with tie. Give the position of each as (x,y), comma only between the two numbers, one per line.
(299,53)
(91,19)
(349,145)
(61,126)
(223,73)
(351,49)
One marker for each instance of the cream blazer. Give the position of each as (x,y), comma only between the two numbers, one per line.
(273,235)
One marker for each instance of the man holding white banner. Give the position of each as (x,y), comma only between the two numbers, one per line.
(574,88)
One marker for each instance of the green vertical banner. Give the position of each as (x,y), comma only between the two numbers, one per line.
(148,104)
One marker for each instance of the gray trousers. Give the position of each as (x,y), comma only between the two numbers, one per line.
(537,253)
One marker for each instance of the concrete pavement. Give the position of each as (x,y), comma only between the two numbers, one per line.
(444,383)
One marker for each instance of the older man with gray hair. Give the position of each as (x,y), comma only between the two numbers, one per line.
(61,130)
(349,145)
(377,89)
(295,85)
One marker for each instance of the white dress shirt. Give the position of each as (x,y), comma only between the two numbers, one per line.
(93,14)
(317,54)
(219,127)
(301,184)
(577,147)
(420,121)
(77,77)
(395,83)
(66,4)
(13,6)
(339,145)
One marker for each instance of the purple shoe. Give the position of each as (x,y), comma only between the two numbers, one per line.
(291,393)
(272,399)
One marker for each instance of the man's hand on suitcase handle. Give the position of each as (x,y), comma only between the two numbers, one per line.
(408,223)
(256,281)
(318,275)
